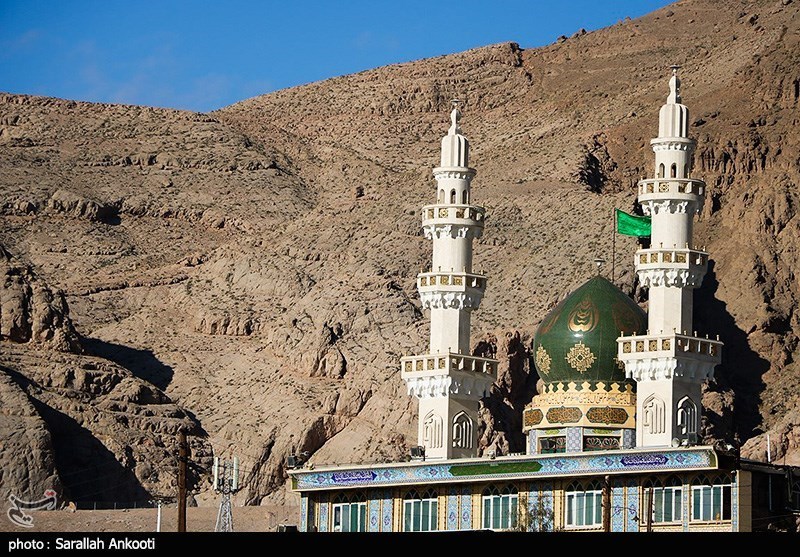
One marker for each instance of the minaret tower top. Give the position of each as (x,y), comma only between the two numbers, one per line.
(455,147)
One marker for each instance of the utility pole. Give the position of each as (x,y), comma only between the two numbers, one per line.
(606,504)
(183,456)
(226,482)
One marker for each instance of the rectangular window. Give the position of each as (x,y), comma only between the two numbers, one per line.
(350,517)
(420,515)
(584,508)
(667,504)
(500,511)
(711,502)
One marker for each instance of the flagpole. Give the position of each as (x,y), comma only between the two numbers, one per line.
(613,242)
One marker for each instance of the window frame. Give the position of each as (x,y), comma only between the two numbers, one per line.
(500,507)
(344,506)
(712,499)
(427,507)
(576,511)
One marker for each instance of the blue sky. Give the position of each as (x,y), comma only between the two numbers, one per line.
(203,55)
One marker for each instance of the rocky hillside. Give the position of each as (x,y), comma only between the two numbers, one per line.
(249,275)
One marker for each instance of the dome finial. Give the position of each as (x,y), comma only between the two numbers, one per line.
(599,261)
(674,86)
(455,118)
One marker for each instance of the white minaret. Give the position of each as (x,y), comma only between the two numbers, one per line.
(448,382)
(670,362)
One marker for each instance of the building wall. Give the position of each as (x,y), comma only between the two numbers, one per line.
(460,506)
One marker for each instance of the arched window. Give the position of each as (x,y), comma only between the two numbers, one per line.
(661,170)
(349,512)
(464,198)
(654,415)
(420,512)
(453,196)
(462,431)
(500,507)
(673,170)
(441,196)
(711,498)
(432,431)
(685,170)
(687,416)
(584,504)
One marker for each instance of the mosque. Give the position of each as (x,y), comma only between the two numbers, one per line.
(612,438)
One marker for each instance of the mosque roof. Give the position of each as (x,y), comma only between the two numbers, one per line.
(577,340)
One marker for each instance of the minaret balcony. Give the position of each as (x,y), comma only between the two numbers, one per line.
(456,221)
(664,356)
(451,290)
(677,267)
(434,375)
(681,189)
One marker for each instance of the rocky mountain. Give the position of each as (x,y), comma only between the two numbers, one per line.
(248,275)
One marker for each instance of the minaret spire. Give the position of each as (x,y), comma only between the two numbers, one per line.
(448,381)
(670,363)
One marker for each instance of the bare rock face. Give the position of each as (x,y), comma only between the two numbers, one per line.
(251,273)
(26,450)
(94,432)
(30,311)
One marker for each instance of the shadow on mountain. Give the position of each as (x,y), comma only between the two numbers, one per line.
(89,472)
(742,368)
(142,363)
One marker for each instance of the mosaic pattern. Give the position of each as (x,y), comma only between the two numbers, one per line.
(574,439)
(580,357)
(532,417)
(532,447)
(564,415)
(735,505)
(304,513)
(323,517)
(452,509)
(632,499)
(520,467)
(374,515)
(466,508)
(540,508)
(606,415)
(628,438)
(387,506)
(686,508)
(619,511)
(543,360)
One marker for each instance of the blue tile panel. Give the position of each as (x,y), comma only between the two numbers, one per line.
(628,438)
(323,517)
(466,508)
(452,508)
(386,508)
(374,524)
(509,469)
(304,513)
(619,510)
(632,506)
(532,447)
(574,439)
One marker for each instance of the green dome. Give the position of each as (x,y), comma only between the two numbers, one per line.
(577,340)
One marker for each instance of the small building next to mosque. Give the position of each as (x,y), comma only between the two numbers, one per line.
(612,436)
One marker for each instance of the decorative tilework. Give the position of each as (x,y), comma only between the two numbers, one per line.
(387,508)
(452,509)
(466,508)
(632,504)
(687,490)
(304,513)
(628,438)
(606,415)
(509,468)
(574,439)
(532,417)
(735,504)
(618,509)
(374,524)
(564,415)
(323,517)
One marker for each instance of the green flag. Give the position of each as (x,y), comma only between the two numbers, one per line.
(632,225)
